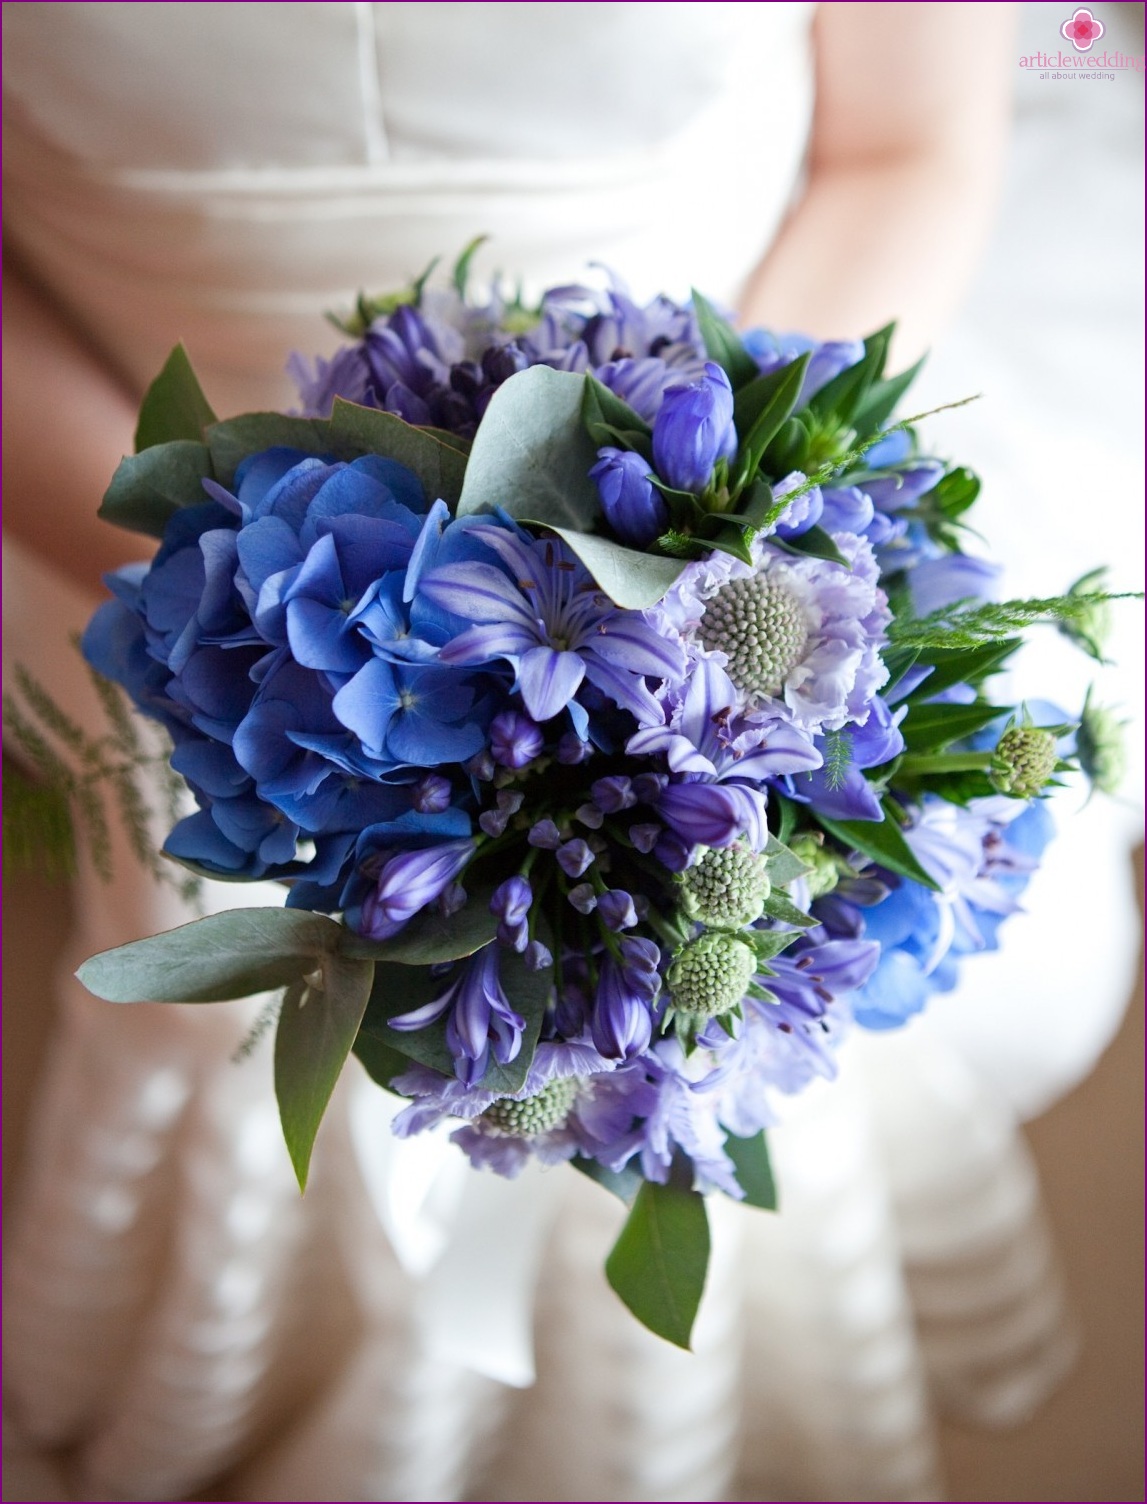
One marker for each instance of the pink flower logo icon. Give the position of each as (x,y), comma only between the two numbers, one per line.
(1083,29)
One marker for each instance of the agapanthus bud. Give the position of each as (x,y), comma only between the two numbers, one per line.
(537,956)
(647,787)
(711,975)
(515,739)
(494,821)
(572,749)
(453,898)
(500,362)
(431,795)
(726,887)
(526,1117)
(645,837)
(622,1023)
(590,816)
(583,898)
(612,795)
(574,858)
(510,904)
(694,429)
(408,882)
(1025,760)
(617,910)
(545,835)
(633,506)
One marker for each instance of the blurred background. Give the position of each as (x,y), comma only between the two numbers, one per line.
(1063,279)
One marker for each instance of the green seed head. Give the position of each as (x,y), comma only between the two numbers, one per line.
(711,975)
(1100,746)
(824,873)
(762,628)
(525,1117)
(1027,758)
(726,888)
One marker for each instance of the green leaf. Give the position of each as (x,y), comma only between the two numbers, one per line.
(723,343)
(629,578)
(786,824)
(624,1183)
(380,1062)
(658,1264)
(961,666)
(174,406)
(461,273)
(317,1027)
(431,936)
(882,841)
(401,989)
(955,492)
(608,419)
(783,865)
(234,954)
(234,439)
(365,430)
(815,543)
(928,727)
(879,402)
(750,1158)
(148,488)
(768,943)
(777,906)
(844,396)
(760,411)
(531,454)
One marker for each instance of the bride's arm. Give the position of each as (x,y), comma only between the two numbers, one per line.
(67,423)
(904,164)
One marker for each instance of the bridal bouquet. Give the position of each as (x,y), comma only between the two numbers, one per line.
(609,692)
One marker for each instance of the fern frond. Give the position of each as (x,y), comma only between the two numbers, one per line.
(964,624)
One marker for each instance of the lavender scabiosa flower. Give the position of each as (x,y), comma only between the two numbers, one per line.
(481,1019)
(694,429)
(800,638)
(633,507)
(542,611)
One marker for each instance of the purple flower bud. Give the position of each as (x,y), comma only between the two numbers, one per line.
(500,362)
(408,882)
(583,898)
(494,821)
(801,514)
(672,851)
(694,429)
(431,795)
(613,794)
(633,507)
(510,904)
(590,816)
(515,740)
(641,958)
(704,813)
(622,1023)
(572,750)
(481,766)
(617,910)
(647,787)
(537,956)
(453,898)
(892,493)
(546,835)
(574,857)
(644,837)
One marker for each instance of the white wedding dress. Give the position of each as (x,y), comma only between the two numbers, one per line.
(177,1314)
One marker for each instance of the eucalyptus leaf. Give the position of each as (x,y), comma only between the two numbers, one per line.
(659,1262)
(750,1158)
(365,430)
(228,955)
(317,1027)
(624,1183)
(148,488)
(531,455)
(630,579)
(883,842)
(783,865)
(431,936)
(723,343)
(234,439)
(174,406)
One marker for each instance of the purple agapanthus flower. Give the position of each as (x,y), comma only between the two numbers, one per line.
(481,1019)
(542,612)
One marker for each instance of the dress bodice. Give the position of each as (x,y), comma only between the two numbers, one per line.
(222,173)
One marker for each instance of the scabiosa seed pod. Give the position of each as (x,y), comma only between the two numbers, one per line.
(711,975)
(1026,758)
(526,1117)
(726,887)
